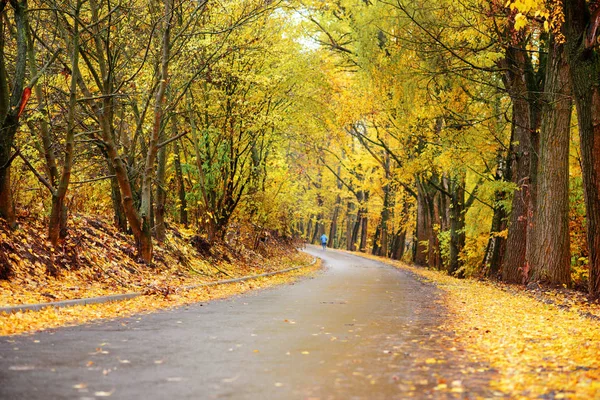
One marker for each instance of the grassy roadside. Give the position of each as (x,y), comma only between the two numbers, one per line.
(539,350)
(23,322)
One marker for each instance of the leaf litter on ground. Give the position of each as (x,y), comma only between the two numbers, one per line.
(537,343)
(97,260)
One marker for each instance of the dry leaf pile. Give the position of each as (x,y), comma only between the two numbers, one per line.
(97,260)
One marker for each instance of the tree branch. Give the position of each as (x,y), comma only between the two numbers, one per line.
(43,180)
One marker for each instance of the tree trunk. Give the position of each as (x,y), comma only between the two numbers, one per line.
(148,176)
(584,64)
(56,228)
(333,239)
(10,104)
(550,258)
(376,250)
(398,245)
(355,230)
(161,196)
(183,214)
(514,269)
(423,226)
(494,253)
(457,225)
(349,226)
(309,228)
(434,258)
(319,229)
(364,224)
(119,217)
(388,203)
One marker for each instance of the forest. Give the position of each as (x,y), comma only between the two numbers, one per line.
(458,135)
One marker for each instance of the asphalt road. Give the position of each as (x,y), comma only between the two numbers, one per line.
(358,330)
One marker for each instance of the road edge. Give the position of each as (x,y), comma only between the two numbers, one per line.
(127,296)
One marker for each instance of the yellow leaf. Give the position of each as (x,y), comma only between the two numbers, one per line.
(520,21)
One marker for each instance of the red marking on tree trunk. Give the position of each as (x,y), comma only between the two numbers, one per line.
(24,100)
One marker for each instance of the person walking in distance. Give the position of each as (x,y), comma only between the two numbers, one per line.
(324,241)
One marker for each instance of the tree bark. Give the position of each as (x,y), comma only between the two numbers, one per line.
(183,214)
(364,225)
(349,225)
(333,229)
(10,104)
(148,177)
(423,226)
(388,202)
(457,225)
(514,268)
(584,64)
(494,254)
(58,217)
(551,257)
(119,218)
(161,194)
(398,245)
(309,227)
(399,242)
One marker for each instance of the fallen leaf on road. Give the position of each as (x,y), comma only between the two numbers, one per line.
(21,367)
(229,380)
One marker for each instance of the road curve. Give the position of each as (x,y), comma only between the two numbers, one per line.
(358,330)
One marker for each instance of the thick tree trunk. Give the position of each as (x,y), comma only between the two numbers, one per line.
(349,226)
(550,255)
(10,104)
(7,211)
(514,268)
(457,225)
(119,217)
(423,226)
(359,223)
(319,229)
(434,257)
(333,239)
(399,242)
(57,228)
(355,230)
(388,203)
(494,253)
(309,227)
(398,245)
(364,224)
(584,64)
(375,250)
